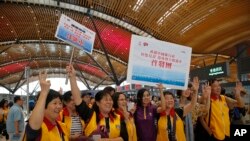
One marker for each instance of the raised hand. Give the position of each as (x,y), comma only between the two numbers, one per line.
(133,109)
(238,88)
(70,70)
(159,86)
(195,84)
(44,84)
(206,90)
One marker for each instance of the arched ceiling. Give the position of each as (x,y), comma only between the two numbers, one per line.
(27,28)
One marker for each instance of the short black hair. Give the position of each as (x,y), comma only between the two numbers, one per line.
(67,96)
(16,98)
(3,101)
(168,93)
(98,97)
(85,94)
(109,89)
(154,97)
(52,94)
(10,104)
(211,81)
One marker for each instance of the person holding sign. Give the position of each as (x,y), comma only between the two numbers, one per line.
(43,124)
(102,121)
(146,114)
(170,123)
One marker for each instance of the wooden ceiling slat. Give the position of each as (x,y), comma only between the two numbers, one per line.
(221,30)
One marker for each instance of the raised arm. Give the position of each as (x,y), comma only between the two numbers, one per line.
(163,102)
(189,107)
(238,102)
(206,93)
(36,118)
(81,107)
(74,88)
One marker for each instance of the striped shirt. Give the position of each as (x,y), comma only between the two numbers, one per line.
(76,125)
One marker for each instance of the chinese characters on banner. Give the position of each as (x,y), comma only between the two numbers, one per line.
(75,34)
(153,61)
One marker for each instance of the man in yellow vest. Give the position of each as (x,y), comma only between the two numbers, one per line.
(217,122)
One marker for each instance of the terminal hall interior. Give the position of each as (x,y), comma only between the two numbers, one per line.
(218,31)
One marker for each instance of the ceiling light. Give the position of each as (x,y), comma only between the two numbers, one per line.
(138,5)
(170,11)
(67,49)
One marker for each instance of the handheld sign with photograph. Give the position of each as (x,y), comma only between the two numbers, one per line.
(153,61)
(75,34)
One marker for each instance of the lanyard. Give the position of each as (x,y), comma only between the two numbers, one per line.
(171,130)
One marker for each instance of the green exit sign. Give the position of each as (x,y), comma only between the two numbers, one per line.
(216,71)
(213,71)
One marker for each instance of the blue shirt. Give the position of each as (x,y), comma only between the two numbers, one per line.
(15,114)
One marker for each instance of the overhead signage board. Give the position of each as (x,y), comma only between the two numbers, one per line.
(213,71)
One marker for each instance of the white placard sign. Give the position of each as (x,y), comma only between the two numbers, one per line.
(75,34)
(153,61)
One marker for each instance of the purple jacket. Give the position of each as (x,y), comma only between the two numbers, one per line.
(146,126)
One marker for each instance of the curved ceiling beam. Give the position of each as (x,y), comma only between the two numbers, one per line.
(52,74)
(99,51)
(60,43)
(104,16)
(51,59)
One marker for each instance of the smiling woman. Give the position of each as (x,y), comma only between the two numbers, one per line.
(43,124)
